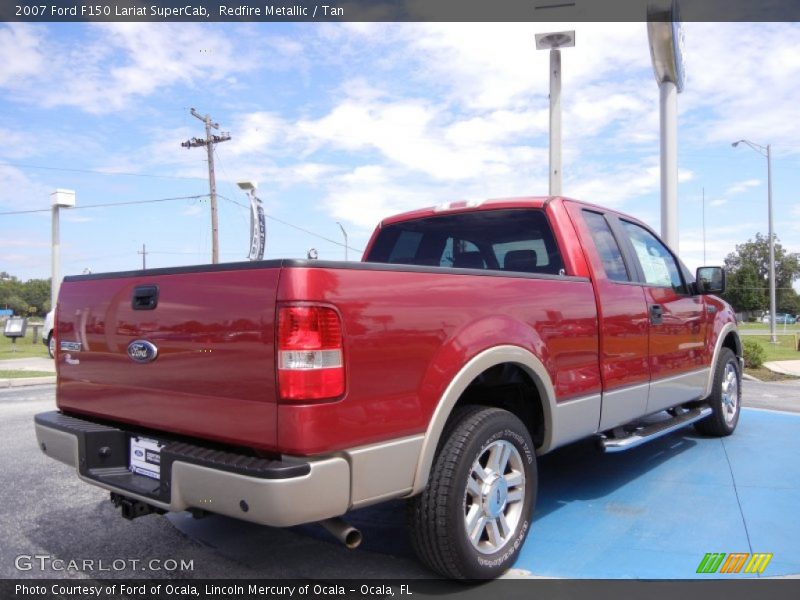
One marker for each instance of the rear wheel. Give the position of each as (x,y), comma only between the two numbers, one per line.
(726,397)
(51,346)
(474,515)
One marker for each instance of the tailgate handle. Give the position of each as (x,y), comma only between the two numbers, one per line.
(145,297)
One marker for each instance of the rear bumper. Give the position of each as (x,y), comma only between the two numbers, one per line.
(279,493)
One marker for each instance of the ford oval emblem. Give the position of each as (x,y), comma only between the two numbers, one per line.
(142,351)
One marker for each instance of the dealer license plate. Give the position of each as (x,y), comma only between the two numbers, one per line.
(146,457)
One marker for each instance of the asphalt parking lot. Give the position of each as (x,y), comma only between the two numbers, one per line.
(653,512)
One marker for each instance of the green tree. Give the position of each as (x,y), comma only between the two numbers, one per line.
(748,276)
(744,290)
(24,298)
(36,293)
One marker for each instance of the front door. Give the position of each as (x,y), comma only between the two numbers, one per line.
(678,324)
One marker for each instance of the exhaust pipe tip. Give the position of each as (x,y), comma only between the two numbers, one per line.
(344,532)
(353,538)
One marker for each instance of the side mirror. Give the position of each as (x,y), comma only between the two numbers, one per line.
(710,280)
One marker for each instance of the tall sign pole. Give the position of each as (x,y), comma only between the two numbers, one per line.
(666,51)
(209,142)
(553,42)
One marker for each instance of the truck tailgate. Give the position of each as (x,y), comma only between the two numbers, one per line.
(213,376)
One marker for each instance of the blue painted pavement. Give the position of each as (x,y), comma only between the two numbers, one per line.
(653,511)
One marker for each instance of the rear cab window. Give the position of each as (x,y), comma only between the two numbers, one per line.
(512,240)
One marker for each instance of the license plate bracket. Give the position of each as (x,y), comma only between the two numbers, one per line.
(145,457)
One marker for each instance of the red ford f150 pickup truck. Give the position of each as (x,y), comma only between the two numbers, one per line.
(470,339)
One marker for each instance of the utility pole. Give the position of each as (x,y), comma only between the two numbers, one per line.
(209,142)
(144,257)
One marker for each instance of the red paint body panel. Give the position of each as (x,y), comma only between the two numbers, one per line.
(407,334)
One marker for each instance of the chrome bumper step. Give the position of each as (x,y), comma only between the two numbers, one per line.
(653,432)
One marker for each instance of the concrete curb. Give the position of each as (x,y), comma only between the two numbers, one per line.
(784,367)
(26,381)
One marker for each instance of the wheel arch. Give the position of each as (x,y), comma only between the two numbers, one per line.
(493,357)
(728,338)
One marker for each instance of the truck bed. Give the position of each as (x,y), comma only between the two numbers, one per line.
(407,330)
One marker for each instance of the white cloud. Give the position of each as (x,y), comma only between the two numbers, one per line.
(370,193)
(742,186)
(21,193)
(20,54)
(115,64)
(257,132)
(746,78)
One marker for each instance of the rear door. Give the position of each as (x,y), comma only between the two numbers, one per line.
(624,320)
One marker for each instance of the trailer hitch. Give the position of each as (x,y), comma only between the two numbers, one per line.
(131,509)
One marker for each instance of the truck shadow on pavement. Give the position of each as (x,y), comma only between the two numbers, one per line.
(576,473)
(229,548)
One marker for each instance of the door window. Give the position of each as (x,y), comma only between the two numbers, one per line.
(658,265)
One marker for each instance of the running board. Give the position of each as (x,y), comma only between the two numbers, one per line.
(653,431)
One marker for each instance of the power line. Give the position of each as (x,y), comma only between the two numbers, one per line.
(282,222)
(47,210)
(95,171)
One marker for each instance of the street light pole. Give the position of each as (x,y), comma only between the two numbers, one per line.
(553,42)
(767,151)
(772,291)
(344,233)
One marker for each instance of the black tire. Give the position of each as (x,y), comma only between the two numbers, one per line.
(438,517)
(51,346)
(726,397)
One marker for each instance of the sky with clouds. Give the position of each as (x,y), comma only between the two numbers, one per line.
(354,122)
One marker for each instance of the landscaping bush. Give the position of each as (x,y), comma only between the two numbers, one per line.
(754,354)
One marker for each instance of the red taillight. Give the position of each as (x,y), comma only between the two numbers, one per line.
(310,356)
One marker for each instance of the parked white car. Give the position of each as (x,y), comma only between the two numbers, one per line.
(47,334)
